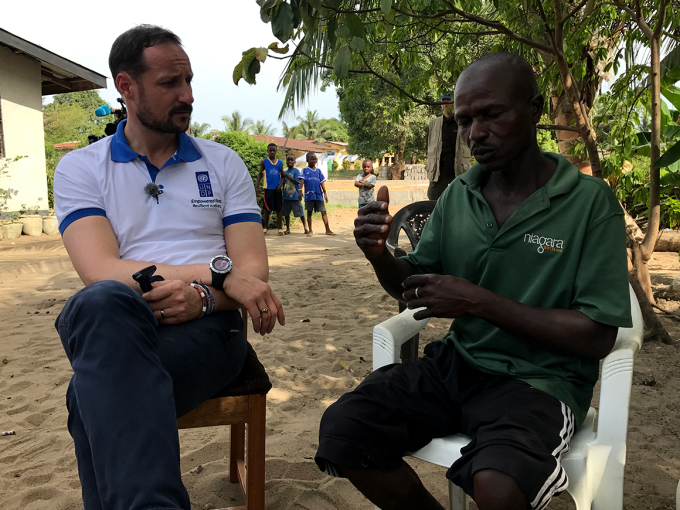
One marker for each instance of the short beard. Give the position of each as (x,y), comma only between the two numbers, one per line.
(167,126)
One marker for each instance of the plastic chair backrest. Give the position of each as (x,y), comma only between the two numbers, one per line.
(411,219)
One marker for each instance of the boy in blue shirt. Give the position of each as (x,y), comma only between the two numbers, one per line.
(292,198)
(272,168)
(315,193)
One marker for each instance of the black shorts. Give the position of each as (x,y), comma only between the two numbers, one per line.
(273,200)
(315,206)
(515,429)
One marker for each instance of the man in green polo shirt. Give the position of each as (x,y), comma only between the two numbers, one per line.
(529,256)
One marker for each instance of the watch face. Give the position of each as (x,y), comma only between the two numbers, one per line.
(221,264)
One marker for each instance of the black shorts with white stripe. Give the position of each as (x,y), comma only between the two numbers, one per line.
(515,429)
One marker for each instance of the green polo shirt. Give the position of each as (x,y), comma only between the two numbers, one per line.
(564,247)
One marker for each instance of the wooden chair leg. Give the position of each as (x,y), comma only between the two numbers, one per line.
(236,450)
(255,453)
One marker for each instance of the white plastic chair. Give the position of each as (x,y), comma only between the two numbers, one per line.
(597,454)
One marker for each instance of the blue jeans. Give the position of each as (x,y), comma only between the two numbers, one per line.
(131,379)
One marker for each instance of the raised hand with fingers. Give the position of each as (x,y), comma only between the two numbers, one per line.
(372,225)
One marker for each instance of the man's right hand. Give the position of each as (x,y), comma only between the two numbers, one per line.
(372,225)
(255,295)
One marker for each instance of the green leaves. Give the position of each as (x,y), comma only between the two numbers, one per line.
(669,157)
(275,48)
(386,6)
(356,26)
(249,66)
(282,22)
(358,44)
(343,32)
(331,28)
(342,62)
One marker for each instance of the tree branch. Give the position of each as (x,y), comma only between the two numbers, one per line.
(497,25)
(574,11)
(644,28)
(549,30)
(662,19)
(557,127)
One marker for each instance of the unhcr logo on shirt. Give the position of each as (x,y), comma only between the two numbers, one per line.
(544,243)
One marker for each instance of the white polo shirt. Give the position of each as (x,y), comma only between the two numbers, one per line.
(206,187)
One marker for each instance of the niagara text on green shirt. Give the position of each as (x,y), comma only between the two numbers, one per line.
(564,247)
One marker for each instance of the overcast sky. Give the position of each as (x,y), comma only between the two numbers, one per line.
(214,34)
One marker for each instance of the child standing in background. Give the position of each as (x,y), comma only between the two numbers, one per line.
(271,168)
(365,182)
(315,193)
(292,194)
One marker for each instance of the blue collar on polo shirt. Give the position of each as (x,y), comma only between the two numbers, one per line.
(122,153)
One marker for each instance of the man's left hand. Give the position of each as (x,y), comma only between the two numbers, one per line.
(178,301)
(441,295)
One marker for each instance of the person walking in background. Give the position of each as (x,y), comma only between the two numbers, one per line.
(448,156)
(292,198)
(272,168)
(365,182)
(315,193)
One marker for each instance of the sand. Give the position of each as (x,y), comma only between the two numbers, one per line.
(320,279)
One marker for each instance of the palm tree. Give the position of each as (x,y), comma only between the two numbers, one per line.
(262,128)
(288,132)
(235,122)
(197,129)
(313,128)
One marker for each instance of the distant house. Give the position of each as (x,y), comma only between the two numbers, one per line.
(27,73)
(64,148)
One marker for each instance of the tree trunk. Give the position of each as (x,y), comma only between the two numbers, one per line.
(397,169)
(565,139)
(651,236)
(655,330)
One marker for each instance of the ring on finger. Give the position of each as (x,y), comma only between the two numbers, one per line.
(417,296)
(162,314)
(264,310)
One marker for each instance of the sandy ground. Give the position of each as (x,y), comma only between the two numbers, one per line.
(320,279)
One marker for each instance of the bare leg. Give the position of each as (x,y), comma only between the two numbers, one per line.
(265,222)
(400,489)
(287,224)
(324,217)
(309,222)
(497,491)
(279,221)
(304,224)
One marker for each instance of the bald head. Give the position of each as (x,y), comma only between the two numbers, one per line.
(497,107)
(512,68)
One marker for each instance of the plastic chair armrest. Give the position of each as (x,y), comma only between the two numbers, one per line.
(390,335)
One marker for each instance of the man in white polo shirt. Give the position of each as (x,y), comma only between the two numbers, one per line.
(150,194)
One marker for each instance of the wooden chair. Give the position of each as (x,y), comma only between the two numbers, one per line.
(241,403)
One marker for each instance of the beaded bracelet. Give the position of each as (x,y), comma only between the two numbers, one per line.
(203,295)
(212,303)
(209,301)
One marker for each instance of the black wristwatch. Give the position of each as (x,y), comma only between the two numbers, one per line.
(220,267)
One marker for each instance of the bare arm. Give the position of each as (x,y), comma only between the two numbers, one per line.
(93,249)
(259,176)
(323,188)
(565,332)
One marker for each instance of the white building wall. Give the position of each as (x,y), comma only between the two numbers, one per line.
(22,125)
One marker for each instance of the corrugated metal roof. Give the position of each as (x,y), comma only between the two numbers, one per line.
(59,75)
(290,143)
